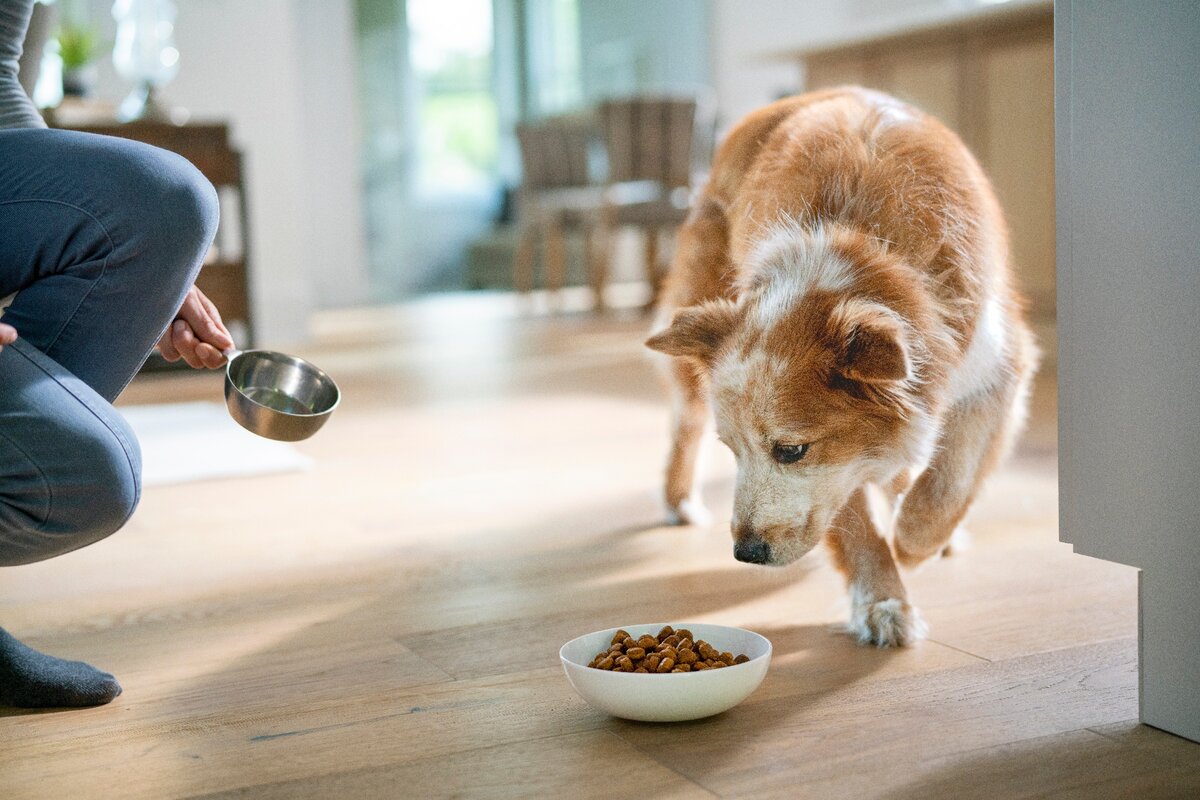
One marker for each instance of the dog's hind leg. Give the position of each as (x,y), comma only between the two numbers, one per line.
(976,434)
(880,613)
(690,409)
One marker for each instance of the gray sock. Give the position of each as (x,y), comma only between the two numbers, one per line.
(29,679)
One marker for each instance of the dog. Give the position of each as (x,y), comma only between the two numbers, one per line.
(841,297)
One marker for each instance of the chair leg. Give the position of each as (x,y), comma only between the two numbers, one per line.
(600,262)
(653,278)
(523,260)
(595,252)
(556,256)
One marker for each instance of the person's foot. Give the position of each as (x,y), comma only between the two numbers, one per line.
(29,679)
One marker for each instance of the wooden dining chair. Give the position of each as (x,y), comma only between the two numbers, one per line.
(655,148)
(557,191)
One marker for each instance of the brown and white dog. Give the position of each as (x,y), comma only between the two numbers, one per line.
(841,293)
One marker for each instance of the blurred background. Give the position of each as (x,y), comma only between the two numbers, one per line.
(370,151)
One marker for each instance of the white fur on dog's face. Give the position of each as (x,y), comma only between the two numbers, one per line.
(808,355)
(790,506)
(779,384)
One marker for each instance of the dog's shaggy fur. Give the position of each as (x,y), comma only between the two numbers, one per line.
(841,294)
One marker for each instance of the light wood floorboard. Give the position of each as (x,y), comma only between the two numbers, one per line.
(387,624)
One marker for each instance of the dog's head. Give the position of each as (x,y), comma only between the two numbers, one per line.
(814,394)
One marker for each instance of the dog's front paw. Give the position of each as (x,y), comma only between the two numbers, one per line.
(689,511)
(886,623)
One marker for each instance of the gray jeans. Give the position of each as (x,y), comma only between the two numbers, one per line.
(100,239)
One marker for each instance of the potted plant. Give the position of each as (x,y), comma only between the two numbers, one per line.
(77,47)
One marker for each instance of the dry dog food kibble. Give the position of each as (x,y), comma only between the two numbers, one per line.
(671,651)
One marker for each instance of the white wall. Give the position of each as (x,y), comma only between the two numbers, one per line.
(337,258)
(1128,108)
(631,46)
(281,72)
(744,33)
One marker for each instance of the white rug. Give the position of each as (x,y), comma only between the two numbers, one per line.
(184,442)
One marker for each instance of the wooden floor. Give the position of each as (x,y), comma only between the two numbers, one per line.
(387,624)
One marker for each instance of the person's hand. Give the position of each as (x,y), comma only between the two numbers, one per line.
(197,335)
(8,335)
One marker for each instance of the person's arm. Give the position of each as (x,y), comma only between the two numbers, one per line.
(16,109)
(197,335)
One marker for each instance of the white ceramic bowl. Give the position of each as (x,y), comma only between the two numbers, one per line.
(675,696)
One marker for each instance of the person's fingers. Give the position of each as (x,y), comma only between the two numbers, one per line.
(205,320)
(196,353)
(210,356)
(213,311)
(166,347)
(197,335)
(185,342)
(192,311)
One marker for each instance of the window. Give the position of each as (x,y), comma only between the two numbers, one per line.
(553,56)
(450,46)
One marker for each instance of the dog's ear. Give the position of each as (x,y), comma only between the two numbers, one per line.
(871,343)
(698,331)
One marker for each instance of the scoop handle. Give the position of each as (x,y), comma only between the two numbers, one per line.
(231,354)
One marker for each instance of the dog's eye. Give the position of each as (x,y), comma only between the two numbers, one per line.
(788,453)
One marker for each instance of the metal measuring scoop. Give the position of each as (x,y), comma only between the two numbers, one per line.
(277,396)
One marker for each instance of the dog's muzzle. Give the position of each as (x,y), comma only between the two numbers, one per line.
(753,550)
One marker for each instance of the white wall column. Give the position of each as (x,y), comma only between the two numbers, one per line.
(1128,177)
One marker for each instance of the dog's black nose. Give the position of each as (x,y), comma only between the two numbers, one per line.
(752,550)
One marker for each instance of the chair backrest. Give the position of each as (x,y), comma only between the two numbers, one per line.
(650,138)
(554,151)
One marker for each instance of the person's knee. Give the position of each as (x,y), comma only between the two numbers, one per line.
(85,497)
(192,200)
(113,485)
(172,208)
(186,208)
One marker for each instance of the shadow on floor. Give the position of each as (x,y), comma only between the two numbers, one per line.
(1078,764)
